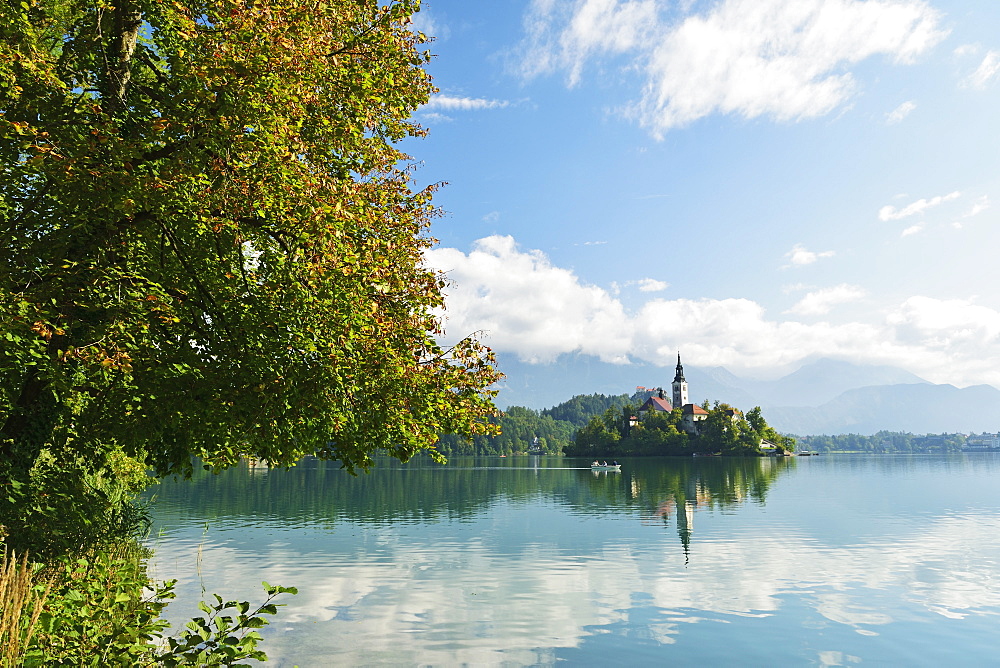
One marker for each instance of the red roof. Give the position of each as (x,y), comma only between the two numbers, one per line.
(656,404)
(694,409)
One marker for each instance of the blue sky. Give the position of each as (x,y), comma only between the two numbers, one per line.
(757,183)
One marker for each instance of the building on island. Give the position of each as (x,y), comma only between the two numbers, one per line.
(982,442)
(692,415)
(657,404)
(679,386)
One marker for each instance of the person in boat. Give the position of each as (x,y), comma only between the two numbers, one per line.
(595,463)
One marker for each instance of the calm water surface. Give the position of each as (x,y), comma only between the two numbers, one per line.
(829,560)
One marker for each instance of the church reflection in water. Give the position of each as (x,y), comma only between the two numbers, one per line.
(675,493)
(668,489)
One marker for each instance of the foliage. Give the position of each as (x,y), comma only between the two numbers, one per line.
(884,442)
(660,434)
(518,428)
(613,435)
(578,410)
(221,639)
(103,611)
(422,493)
(595,438)
(759,426)
(98,614)
(725,431)
(210,246)
(67,506)
(20,606)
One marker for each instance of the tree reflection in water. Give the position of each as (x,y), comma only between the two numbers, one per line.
(319,493)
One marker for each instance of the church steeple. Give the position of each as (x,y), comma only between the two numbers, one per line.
(679,376)
(679,386)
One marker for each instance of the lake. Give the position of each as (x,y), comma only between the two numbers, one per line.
(831,560)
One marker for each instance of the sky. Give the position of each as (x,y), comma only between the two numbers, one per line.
(756,183)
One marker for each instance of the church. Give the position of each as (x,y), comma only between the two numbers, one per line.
(692,413)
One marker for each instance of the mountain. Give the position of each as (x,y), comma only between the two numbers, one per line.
(544,385)
(920,408)
(821,381)
(823,396)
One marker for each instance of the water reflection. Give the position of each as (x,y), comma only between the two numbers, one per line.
(680,490)
(318,495)
(530,563)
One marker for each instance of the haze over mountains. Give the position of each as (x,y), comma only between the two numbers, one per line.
(825,396)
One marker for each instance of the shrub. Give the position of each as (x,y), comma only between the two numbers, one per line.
(104,611)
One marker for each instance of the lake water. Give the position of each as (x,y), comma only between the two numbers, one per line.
(828,560)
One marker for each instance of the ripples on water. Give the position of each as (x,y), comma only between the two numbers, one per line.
(527,561)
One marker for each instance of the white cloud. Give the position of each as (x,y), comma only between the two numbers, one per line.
(526,304)
(786,60)
(781,59)
(451,102)
(890,212)
(912,229)
(794,287)
(944,324)
(643,284)
(982,204)
(393,584)
(899,113)
(987,70)
(652,285)
(491,217)
(822,301)
(966,50)
(564,35)
(799,256)
(425,23)
(433,116)
(532,308)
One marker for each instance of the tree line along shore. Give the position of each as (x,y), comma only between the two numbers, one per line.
(556,430)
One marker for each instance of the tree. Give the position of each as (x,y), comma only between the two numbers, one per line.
(210,245)
(762,431)
(582,407)
(596,437)
(719,432)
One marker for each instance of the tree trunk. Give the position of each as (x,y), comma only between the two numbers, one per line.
(125,32)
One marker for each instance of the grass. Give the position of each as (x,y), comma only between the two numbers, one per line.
(21,603)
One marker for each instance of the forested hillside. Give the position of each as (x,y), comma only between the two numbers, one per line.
(585,425)
(582,407)
(553,427)
(883,442)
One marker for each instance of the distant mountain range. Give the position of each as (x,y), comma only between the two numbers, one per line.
(822,397)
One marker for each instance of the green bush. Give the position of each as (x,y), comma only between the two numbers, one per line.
(67,506)
(221,639)
(99,612)
(104,611)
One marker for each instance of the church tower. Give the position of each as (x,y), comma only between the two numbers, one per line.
(680,386)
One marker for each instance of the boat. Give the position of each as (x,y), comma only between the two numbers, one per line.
(605,467)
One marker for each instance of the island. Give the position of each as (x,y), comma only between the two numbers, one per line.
(678,427)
